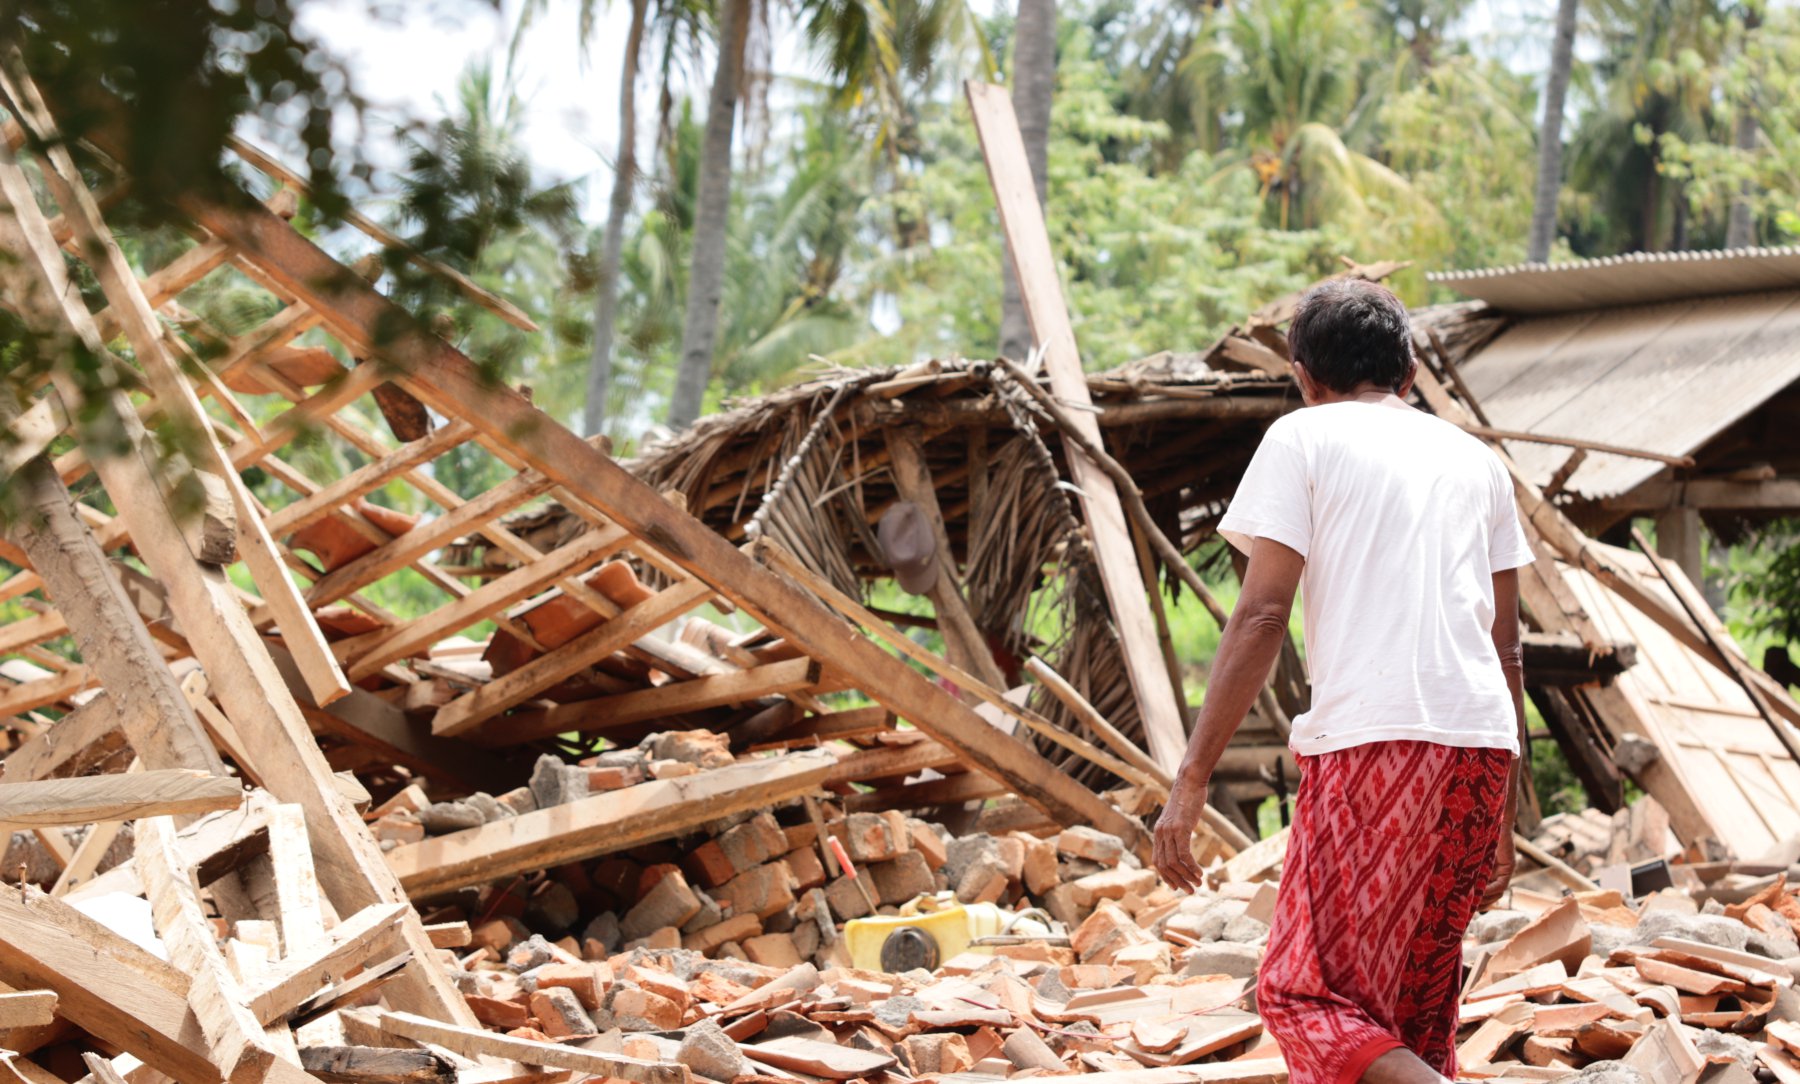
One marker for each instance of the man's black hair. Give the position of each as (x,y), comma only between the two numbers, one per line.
(1348,332)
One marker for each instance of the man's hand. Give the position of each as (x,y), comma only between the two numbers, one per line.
(1503,868)
(1174,839)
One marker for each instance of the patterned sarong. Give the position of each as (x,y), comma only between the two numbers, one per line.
(1392,843)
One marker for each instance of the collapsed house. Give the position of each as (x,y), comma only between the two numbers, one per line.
(611,806)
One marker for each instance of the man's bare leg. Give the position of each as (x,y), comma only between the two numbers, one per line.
(1401,1066)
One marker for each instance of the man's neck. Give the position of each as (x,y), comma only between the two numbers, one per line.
(1365,392)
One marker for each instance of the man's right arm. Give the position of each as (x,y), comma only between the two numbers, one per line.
(1512,662)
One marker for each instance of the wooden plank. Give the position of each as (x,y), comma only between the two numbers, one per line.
(45,691)
(930,793)
(488,300)
(479,705)
(675,698)
(94,798)
(297,906)
(89,734)
(964,641)
(27,1009)
(441,376)
(367,478)
(883,762)
(473,1043)
(495,595)
(427,536)
(224,640)
(1034,265)
(604,823)
(832,726)
(177,399)
(46,943)
(383,727)
(234,1039)
(373,933)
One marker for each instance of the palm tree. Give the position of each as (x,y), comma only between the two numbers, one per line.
(1034,83)
(706,267)
(1549,178)
(606,292)
(1740,225)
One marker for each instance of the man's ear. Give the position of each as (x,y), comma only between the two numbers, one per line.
(1412,373)
(1309,389)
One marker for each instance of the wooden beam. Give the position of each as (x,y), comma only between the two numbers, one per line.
(675,698)
(374,933)
(473,1043)
(177,399)
(78,576)
(528,579)
(116,797)
(1034,265)
(367,478)
(951,790)
(886,761)
(964,641)
(427,536)
(27,1009)
(234,1039)
(224,640)
(481,704)
(604,823)
(833,726)
(367,720)
(442,377)
(1709,494)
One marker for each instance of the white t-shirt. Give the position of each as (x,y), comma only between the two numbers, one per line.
(1403,519)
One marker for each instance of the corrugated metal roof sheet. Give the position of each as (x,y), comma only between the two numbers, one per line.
(1664,378)
(1639,278)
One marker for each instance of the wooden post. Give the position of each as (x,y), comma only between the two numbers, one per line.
(1028,244)
(964,641)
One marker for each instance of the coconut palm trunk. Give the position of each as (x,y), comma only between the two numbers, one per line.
(706,266)
(1549,178)
(612,245)
(1034,81)
(1740,227)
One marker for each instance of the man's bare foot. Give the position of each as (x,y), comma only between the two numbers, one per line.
(1401,1066)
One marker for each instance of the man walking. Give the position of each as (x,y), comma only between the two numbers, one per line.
(1402,532)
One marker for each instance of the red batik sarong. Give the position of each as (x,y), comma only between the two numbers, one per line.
(1391,845)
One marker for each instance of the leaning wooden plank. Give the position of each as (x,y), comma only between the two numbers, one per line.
(371,934)
(223,638)
(856,612)
(93,798)
(449,382)
(1034,264)
(472,1043)
(182,407)
(489,598)
(27,1009)
(675,698)
(298,912)
(46,943)
(45,691)
(475,707)
(604,823)
(234,1039)
(82,738)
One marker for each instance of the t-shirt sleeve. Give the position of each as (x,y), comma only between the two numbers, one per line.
(1274,499)
(1508,547)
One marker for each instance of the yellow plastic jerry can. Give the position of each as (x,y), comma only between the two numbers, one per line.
(950,925)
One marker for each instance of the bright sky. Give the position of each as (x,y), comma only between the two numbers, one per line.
(406,57)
